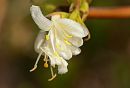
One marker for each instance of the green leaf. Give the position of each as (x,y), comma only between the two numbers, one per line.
(84,7)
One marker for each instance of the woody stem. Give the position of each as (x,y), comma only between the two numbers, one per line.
(109,12)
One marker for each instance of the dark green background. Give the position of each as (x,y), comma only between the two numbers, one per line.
(103,63)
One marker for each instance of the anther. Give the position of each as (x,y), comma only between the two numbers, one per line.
(69,36)
(56,54)
(67,42)
(45,65)
(45,59)
(47,37)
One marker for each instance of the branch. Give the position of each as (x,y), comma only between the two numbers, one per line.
(77,3)
(115,12)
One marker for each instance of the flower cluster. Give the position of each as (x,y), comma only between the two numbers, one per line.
(58,40)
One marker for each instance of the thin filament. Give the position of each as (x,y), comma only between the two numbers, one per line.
(45,59)
(52,73)
(35,65)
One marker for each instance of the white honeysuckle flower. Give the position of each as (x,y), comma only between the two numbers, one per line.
(58,39)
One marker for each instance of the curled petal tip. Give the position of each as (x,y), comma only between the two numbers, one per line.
(42,22)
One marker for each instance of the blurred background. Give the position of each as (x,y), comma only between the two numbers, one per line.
(103,63)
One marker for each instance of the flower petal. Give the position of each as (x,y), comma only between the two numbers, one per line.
(50,49)
(62,69)
(42,22)
(63,50)
(76,41)
(55,17)
(52,39)
(71,27)
(60,44)
(39,41)
(54,59)
(75,50)
(86,31)
(65,54)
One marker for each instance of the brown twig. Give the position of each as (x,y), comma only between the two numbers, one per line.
(107,12)
(115,12)
(77,3)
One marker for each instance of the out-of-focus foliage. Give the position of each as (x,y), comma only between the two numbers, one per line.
(103,63)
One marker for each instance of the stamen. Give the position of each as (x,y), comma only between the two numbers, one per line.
(47,37)
(58,46)
(45,59)
(56,54)
(67,42)
(67,35)
(41,49)
(52,73)
(35,65)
